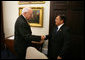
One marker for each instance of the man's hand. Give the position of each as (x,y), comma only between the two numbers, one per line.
(41,42)
(42,37)
(59,57)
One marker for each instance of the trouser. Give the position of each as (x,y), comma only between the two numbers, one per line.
(20,56)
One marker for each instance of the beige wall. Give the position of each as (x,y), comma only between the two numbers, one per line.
(11,12)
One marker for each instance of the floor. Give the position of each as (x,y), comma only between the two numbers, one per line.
(6,54)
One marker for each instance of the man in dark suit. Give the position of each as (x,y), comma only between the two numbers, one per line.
(23,34)
(59,40)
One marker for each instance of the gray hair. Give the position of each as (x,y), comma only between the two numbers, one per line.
(26,9)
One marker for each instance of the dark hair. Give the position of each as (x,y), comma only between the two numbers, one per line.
(62,17)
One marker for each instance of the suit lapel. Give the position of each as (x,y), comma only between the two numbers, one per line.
(61,28)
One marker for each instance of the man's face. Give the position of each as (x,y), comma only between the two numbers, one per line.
(29,14)
(58,21)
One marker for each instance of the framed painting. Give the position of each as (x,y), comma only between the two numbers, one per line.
(37,19)
(31,2)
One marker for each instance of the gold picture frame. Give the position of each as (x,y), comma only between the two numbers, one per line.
(31,2)
(37,20)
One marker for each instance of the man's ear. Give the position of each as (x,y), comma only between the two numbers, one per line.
(24,13)
(62,21)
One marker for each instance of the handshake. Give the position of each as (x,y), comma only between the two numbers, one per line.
(41,41)
(43,37)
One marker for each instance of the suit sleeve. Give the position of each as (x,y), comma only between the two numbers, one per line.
(26,33)
(50,35)
(65,48)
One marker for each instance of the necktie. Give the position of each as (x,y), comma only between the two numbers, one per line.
(56,29)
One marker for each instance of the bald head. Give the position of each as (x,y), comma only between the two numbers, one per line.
(27,12)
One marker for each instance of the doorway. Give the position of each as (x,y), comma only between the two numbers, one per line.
(74,11)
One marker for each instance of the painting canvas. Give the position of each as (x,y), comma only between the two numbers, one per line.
(37,18)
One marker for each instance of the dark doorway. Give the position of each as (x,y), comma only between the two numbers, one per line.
(74,11)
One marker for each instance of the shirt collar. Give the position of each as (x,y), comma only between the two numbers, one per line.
(25,18)
(60,26)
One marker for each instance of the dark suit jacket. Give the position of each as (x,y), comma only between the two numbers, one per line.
(23,36)
(59,43)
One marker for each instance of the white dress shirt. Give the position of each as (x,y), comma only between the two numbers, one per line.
(60,26)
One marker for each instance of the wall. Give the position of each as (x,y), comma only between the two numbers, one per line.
(11,12)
